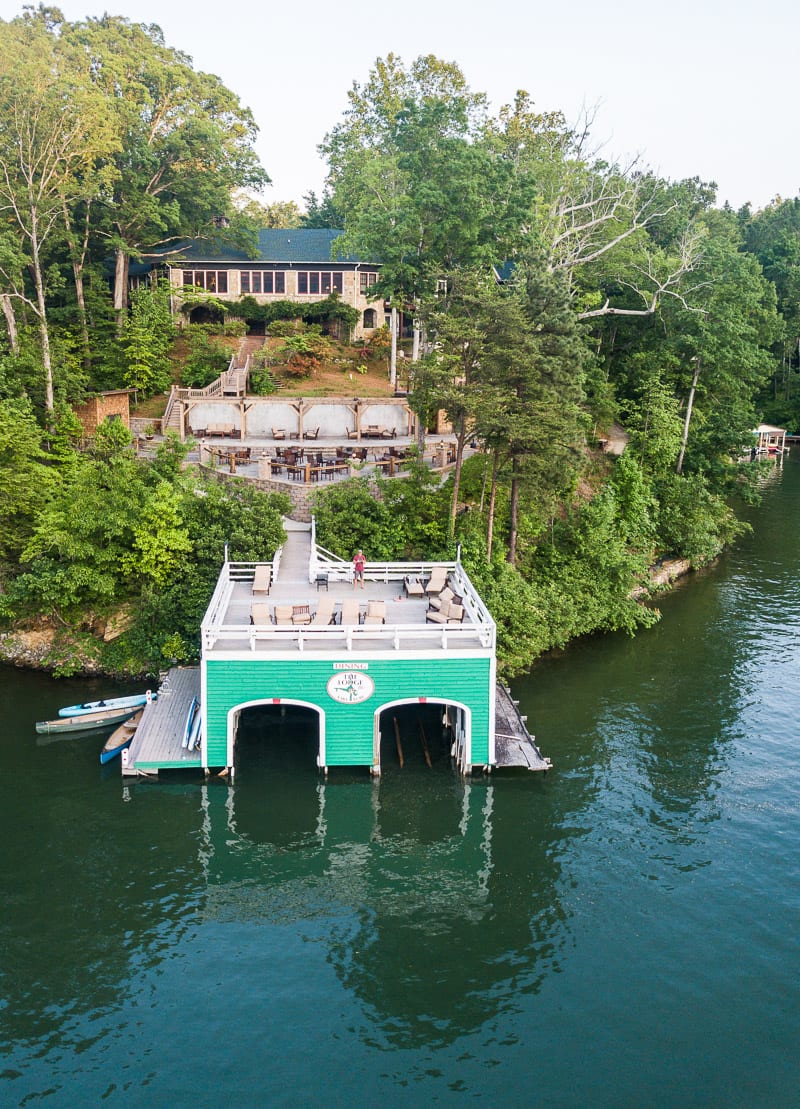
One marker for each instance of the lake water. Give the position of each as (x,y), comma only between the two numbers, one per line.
(623,932)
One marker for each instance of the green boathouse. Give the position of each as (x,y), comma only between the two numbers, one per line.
(295,632)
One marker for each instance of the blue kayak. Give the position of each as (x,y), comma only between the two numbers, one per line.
(136,700)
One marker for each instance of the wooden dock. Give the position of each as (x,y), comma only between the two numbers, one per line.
(514,745)
(157,743)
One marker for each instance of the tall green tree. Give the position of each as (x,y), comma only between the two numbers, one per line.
(532,415)
(147,336)
(25,481)
(186,142)
(414,183)
(773,236)
(54,132)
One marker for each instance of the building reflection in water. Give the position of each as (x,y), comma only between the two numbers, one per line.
(442,894)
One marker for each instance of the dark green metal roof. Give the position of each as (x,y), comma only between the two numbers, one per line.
(291,246)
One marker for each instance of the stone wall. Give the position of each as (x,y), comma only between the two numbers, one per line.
(300,494)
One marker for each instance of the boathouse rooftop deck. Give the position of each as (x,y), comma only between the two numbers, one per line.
(240,618)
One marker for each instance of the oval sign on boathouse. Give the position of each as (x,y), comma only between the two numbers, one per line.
(350,687)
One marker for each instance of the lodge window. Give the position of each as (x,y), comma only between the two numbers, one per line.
(370,317)
(263,281)
(365,279)
(213,281)
(313,282)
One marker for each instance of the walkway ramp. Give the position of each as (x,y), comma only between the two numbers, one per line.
(296,553)
(514,745)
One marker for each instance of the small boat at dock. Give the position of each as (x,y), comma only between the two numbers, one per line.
(134,701)
(187,728)
(120,738)
(89,722)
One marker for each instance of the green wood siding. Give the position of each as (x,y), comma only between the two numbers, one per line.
(348,728)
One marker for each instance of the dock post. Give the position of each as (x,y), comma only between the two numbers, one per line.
(398,744)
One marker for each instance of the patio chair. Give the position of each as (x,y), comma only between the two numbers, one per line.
(444,598)
(413,587)
(349,616)
(311,434)
(448,614)
(437,581)
(324,613)
(259,613)
(278,433)
(352,433)
(376,612)
(301,614)
(283,614)
(262,580)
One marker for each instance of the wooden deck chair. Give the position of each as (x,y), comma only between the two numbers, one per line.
(437,581)
(449,613)
(259,613)
(437,615)
(376,612)
(283,614)
(262,580)
(324,613)
(301,614)
(444,598)
(349,613)
(278,433)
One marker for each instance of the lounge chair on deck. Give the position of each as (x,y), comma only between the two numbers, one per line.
(413,587)
(437,581)
(259,613)
(449,613)
(444,598)
(352,433)
(349,613)
(283,614)
(325,609)
(376,612)
(262,580)
(311,434)
(301,614)
(278,433)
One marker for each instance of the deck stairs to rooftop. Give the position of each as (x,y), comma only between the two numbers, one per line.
(295,554)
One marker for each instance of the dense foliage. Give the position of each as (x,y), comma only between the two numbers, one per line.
(103,534)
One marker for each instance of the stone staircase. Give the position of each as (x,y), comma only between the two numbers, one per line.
(248,345)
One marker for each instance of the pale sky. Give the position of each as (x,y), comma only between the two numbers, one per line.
(703,88)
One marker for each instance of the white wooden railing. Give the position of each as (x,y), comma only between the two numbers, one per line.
(362,637)
(477,624)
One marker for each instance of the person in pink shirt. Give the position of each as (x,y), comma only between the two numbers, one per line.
(359,562)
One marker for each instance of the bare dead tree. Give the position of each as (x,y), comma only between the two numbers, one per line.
(655,285)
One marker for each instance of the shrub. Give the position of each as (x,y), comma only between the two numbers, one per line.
(262,383)
(208,358)
(281,329)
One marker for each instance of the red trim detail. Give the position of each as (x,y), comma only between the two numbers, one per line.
(276,700)
(423,700)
